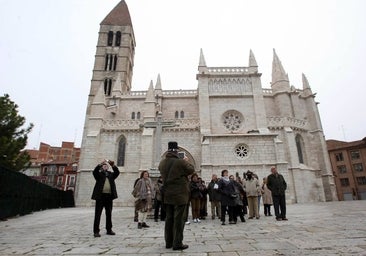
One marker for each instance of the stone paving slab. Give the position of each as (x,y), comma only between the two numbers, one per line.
(332,228)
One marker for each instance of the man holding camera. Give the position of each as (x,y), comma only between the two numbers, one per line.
(175,172)
(104,193)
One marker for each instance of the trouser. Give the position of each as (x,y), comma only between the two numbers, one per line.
(253,206)
(279,205)
(230,210)
(105,202)
(203,207)
(159,205)
(195,204)
(267,209)
(174,225)
(142,217)
(238,211)
(215,209)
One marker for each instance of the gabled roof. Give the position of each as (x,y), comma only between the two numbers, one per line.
(119,16)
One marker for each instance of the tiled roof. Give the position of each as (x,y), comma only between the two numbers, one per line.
(119,16)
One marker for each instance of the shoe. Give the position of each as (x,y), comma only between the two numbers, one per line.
(198,220)
(135,219)
(187,223)
(257,218)
(269,214)
(213,217)
(110,232)
(156,220)
(96,235)
(182,247)
(195,220)
(144,225)
(139,225)
(278,218)
(284,218)
(250,218)
(168,246)
(232,222)
(223,223)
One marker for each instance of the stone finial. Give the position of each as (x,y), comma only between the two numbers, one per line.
(150,93)
(158,83)
(252,61)
(202,62)
(280,79)
(117,87)
(306,86)
(99,97)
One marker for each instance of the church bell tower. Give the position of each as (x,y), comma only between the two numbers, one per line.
(112,78)
(115,51)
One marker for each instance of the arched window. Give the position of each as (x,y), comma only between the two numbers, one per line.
(121,152)
(299,146)
(138,115)
(110,38)
(133,115)
(118,38)
(115,62)
(176,114)
(106,62)
(182,114)
(107,87)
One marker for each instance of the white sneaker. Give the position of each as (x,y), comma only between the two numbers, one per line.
(198,220)
(187,223)
(195,220)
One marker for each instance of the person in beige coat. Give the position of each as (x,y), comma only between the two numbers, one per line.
(267,198)
(252,188)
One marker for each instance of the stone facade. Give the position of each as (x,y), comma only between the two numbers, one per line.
(228,122)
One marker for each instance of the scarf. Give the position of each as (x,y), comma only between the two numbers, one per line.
(226,179)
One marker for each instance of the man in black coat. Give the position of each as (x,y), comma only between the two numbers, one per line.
(104,193)
(277,184)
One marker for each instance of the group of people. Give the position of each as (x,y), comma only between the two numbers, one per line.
(179,187)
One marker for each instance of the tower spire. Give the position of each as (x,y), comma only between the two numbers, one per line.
(119,16)
(305,86)
(280,81)
(150,93)
(99,98)
(117,87)
(202,62)
(252,61)
(158,83)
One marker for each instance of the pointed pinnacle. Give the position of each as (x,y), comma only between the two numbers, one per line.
(252,61)
(202,62)
(158,83)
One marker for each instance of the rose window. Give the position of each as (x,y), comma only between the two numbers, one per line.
(242,151)
(232,120)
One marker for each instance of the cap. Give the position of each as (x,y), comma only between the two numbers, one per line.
(172,146)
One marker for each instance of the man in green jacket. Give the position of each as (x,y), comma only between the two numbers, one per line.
(277,184)
(175,172)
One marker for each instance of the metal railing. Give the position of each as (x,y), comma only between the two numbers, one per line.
(20,195)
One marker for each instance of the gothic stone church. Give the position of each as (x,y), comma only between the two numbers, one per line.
(228,122)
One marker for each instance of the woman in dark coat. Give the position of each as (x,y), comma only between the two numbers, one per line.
(195,198)
(227,191)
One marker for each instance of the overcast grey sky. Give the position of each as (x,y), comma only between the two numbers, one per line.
(47,53)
